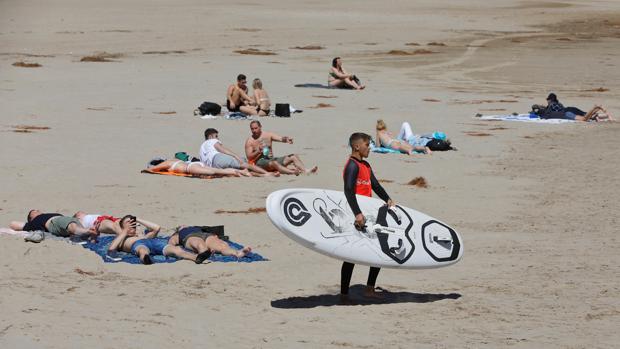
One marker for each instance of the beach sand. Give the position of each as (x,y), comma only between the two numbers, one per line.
(536,205)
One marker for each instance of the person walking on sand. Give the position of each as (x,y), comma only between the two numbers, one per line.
(359,179)
(237,99)
(339,78)
(258,150)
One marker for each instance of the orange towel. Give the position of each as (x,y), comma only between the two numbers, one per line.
(168,173)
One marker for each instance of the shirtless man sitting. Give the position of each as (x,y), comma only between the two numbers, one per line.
(214,154)
(38,222)
(258,150)
(237,99)
(143,244)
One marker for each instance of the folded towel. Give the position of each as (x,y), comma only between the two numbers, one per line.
(101,248)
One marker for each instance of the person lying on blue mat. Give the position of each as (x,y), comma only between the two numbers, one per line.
(204,241)
(407,142)
(143,244)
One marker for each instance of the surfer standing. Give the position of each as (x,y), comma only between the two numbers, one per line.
(359,179)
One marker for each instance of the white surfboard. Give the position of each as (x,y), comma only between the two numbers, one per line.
(399,237)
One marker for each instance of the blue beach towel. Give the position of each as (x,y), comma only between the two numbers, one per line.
(313,85)
(384,150)
(101,248)
(237,116)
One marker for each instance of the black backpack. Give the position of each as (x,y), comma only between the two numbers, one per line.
(283,110)
(439,145)
(210,108)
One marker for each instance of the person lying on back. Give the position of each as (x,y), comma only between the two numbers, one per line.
(143,244)
(54,223)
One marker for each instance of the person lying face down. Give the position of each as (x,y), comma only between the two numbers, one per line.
(54,223)
(143,244)
(203,243)
(259,150)
(194,168)
(556,110)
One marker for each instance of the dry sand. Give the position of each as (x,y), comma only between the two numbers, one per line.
(536,204)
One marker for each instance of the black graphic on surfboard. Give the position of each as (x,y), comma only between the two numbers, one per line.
(295,212)
(335,218)
(395,242)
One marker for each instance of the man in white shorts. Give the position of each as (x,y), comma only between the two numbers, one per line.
(214,154)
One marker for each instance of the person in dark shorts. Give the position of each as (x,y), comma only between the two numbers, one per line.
(144,243)
(204,241)
(237,99)
(54,223)
(258,150)
(359,179)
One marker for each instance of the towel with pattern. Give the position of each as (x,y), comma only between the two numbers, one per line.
(101,248)
(524,118)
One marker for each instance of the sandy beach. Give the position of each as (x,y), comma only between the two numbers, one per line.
(535,204)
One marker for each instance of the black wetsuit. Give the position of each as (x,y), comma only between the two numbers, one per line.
(359,181)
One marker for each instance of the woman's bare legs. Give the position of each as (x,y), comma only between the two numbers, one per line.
(210,171)
(346,81)
(216,245)
(178,252)
(595,113)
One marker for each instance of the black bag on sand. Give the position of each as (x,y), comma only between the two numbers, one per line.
(210,108)
(439,145)
(283,110)
(215,230)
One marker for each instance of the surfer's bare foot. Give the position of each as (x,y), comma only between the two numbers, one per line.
(369,292)
(243,252)
(345,300)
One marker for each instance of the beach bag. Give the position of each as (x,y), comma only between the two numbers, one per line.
(215,230)
(283,110)
(209,108)
(438,145)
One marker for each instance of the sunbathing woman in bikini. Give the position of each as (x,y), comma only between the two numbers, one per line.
(261,98)
(194,168)
(401,142)
(338,77)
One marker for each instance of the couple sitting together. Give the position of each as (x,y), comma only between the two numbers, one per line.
(238,100)
(407,142)
(194,243)
(216,159)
